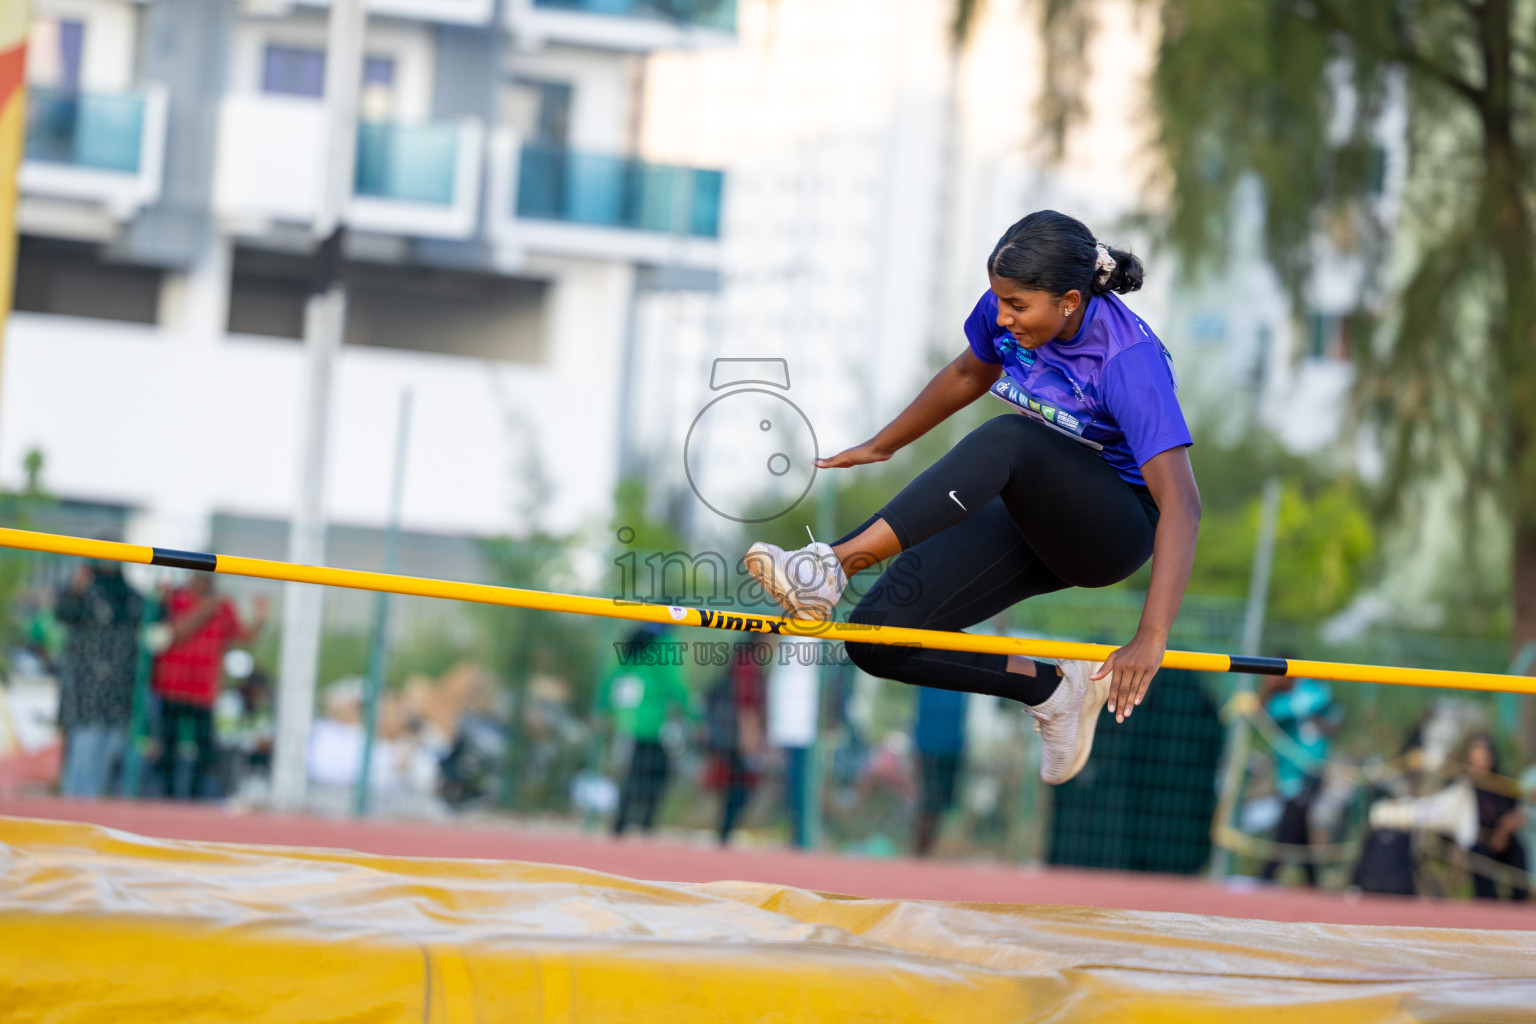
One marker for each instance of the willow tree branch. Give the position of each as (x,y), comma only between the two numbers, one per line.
(961,24)
(1403,50)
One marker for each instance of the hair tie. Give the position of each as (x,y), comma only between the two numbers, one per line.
(1105,265)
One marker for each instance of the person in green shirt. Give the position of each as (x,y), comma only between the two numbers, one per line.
(639,695)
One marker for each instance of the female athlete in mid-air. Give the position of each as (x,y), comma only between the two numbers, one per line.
(1078,491)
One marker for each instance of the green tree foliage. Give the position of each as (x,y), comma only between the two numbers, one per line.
(634,536)
(647,533)
(18,569)
(1325,541)
(345,652)
(1295,94)
(528,641)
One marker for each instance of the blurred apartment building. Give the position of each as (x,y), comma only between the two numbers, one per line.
(873,165)
(500,230)
(545,249)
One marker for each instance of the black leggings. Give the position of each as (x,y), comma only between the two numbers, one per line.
(1014,510)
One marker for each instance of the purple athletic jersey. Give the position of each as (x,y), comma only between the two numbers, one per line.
(1111,386)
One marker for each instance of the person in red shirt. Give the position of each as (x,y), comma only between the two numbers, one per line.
(204,625)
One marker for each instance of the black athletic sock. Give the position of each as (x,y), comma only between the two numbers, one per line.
(1035,689)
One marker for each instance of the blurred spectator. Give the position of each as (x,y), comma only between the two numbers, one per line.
(1386,863)
(203,626)
(638,698)
(336,741)
(457,735)
(1499,819)
(793,696)
(551,741)
(939,735)
(42,637)
(96,674)
(472,767)
(404,763)
(1528,791)
(244,723)
(1304,711)
(735,736)
(849,749)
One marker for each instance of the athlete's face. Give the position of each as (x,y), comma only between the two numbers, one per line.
(1035,318)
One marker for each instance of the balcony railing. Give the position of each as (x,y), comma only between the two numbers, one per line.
(461,12)
(414,163)
(558,184)
(717,14)
(419,180)
(89,130)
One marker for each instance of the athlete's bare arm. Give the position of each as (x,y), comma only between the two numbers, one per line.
(959,384)
(1172,483)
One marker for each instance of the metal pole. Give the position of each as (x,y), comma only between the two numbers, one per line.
(1263,564)
(138,719)
(325,318)
(810,786)
(1253,635)
(378,650)
(1508,714)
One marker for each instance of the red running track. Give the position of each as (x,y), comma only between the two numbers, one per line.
(676,861)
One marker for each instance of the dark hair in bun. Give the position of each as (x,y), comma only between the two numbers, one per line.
(1051,252)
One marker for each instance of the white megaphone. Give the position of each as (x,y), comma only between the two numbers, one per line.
(1451,812)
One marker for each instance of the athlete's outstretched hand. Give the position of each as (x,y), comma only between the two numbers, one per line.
(1134,665)
(858,455)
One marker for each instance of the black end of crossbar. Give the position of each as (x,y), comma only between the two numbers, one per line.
(1260,666)
(172,559)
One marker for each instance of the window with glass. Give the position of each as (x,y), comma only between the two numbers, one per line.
(539,111)
(377,102)
(55,47)
(293,71)
(300,71)
(97,130)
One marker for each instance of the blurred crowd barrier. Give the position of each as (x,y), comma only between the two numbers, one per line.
(146,686)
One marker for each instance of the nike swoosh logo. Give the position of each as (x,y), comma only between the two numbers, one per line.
(957,501)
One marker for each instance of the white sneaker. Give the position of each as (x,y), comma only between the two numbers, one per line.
(807,582)
(1066,720)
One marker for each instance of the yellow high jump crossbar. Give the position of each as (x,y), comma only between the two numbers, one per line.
(675,615)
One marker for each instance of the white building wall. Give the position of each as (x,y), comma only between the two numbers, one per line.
(828,118)
(181,421)
(602,104)
(869,177)
(185,428)
(1003,162)
(465,12)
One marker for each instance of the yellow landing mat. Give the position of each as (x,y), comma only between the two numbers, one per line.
(101,925)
